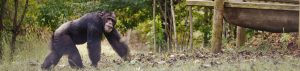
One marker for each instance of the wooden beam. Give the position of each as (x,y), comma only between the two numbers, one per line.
(216,42)
(292,7)
(200,3)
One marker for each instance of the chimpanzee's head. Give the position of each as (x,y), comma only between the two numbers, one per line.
(109,20)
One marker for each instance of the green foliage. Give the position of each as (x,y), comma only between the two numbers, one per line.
(148,33)
(129,12)
(203,20)
(54,12)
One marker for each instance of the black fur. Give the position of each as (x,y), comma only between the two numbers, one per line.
(89,28)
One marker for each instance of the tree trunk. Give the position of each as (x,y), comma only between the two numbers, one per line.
(13,45)
(162,7)
(17,26)
(167,21)
(217,26)
(154,24)
(191,27)
(3,4)
(169,24)
(174,23)
(14,30)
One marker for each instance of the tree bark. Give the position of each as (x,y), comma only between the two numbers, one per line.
(162,9)
(14,30)
(217,26)
(191,27)
(3,4)
(17,26)
(168,24)
(154,24)
(165,11)
(174,24)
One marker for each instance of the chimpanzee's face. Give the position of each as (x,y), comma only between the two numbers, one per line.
(109,25)
(109,19)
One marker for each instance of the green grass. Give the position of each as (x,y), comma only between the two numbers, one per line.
(31,55)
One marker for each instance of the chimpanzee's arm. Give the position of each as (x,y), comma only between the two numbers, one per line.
(93,43)
(120,47)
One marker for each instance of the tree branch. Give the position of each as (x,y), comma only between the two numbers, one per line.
(15,15)
(23,15)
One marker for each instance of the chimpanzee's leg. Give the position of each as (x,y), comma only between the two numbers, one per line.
(74,58)
(94,53)
(52,59)
(57,51)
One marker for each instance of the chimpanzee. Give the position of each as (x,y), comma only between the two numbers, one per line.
(89,28)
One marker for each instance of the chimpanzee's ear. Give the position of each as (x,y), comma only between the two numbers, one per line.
(113,14)
(100,13)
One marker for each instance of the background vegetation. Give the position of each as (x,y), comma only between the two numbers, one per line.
(26,26)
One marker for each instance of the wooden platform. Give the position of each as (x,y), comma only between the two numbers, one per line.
(274,6)
(269,17)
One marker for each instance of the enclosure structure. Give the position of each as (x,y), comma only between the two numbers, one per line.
(265,16)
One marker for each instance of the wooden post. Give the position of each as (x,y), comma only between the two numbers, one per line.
(191,26)
(217,26)
(154,26)
(240,36)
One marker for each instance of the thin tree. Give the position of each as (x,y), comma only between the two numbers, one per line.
(17,25)
(174,23)
(191,27)
(154,25)
(3,4)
